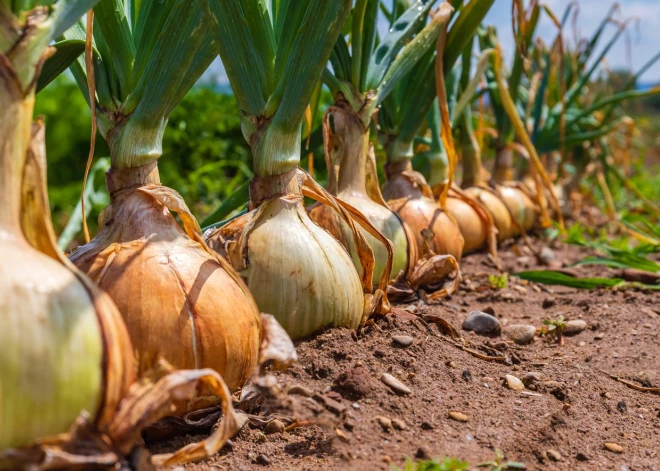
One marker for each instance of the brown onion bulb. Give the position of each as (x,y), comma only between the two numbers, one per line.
(520,205)
(497,209)
(473,228)
(178,299)
(403,192)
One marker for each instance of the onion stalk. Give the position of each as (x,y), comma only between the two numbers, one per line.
(360,81)
(179,299)
(297,271)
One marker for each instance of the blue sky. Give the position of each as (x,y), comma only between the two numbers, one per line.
(645,36)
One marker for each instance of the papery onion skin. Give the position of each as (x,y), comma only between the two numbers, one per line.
(520,205)
(64,347)
(175,297)
(472,227)
(382,218)
(296,270)
(497,209)
(421,212)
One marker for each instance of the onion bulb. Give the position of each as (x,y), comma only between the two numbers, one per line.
(296,269)
(64,346)
(408,194)
(356,183)
(178,299)
(520,205)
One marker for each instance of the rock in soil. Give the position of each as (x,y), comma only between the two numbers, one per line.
(554,455)
(531,378)
(521,334)
(385,423)
(600,336)
(395,384)
(402,340)
(613,447)
(514,383)
(574,327)
(458,416)
(356,383)
(399,424)
(275,426)
(482,324)
(263,460)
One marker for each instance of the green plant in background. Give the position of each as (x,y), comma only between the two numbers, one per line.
(555,328)
(498,463)
(446,464)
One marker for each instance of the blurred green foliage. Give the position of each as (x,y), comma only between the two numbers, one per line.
(204,154)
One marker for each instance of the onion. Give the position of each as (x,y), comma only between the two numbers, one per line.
(520,205)
(352,153)
(297,270)
(178,299)
(408,194)
(65,348)
(497,209)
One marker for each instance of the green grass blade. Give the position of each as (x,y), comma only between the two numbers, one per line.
(307,60)
(408,24)
(549,277)
(236,47)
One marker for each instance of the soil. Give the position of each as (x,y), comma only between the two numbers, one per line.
(561,422)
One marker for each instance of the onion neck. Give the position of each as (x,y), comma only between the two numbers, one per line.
(276,151)
(16,108)
(398,150)
(503,169)
(471,158)
(117,179)
(133,144)
(351,149)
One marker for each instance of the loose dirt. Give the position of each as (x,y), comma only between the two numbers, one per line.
(561,421)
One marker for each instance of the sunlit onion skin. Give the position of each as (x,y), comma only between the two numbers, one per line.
(404,195)
(177,299)
(64,346)
(520,205)
(497,209)
(351,148)
(472,227)
(297,271)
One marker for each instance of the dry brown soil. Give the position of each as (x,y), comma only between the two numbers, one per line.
(562,423)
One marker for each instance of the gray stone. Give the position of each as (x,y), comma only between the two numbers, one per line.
(521,334)
(574,327)
(402,340)
(395,384)
(482,324)
(531,378)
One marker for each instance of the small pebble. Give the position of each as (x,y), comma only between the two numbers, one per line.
(548,302)
(599,336)
(385,423)
(514,383)
(399,424)
(395,384)
(531,378)
(622,406)
(467,376)
(482,324)
(613,447)
(520,333)
(458,416)
(263,460)
(574,327)
(427,426)
(554,455)
(422,453)
(402,340)
(275,426)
